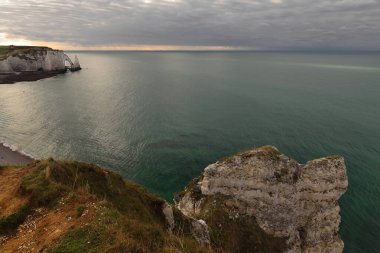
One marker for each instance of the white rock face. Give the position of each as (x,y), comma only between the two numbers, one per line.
(76,64)
(5,67)
(287,199)
(36,60)
(198,228)
(167,210)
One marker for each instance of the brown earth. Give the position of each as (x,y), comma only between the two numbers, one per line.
(43,227)
(62,206)
(10,181)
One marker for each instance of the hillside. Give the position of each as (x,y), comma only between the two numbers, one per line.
(256,201)
(53,206)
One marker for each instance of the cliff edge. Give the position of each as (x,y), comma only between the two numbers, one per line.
(30,63)
(256,201)
(263,201)
(20,59)
(72,207)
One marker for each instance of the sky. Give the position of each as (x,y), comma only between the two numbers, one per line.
(192,24)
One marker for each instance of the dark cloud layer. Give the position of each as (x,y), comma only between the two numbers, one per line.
(260,24)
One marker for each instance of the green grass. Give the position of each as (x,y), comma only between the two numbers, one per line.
(128,218)
(264,151)
(115,231)
(44,192)
(20,50)
(80,209)
(4,50)
(10,223)
(94,237)
(236,234)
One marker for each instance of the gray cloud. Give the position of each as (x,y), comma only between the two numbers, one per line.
(260,24)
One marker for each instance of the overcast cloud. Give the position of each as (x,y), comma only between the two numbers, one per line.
(256,24)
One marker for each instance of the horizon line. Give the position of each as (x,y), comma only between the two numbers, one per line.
(225,50)
(205,49)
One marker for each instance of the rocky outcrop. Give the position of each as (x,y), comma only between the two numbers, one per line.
(26,63)
(257,201)
(176,221)
(263,201)
(74,66)
(32,59)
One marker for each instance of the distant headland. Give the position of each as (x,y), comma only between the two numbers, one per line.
(31,63)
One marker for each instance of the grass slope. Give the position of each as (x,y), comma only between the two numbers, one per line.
(16,50)
(127,218)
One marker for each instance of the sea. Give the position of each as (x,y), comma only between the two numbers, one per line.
(159,118)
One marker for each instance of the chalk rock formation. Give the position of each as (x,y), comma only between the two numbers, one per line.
(176,221)
(262,201)
(76,64)
(33,59)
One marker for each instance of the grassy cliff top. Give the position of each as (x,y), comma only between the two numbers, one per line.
(56,206)
(14,50)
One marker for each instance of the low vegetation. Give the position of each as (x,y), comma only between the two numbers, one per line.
(19,50)
(9,223)
(97,211)
(229,230)
(236,233)
(4,50)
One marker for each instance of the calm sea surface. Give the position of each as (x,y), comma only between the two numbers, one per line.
(160,118)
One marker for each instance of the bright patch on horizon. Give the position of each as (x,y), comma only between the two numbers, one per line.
(6,40)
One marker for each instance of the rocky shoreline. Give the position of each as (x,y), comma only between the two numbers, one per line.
(28,76)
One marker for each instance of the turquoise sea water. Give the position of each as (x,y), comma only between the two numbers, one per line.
(160,118)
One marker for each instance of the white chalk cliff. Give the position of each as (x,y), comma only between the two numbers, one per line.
(35,59)
(263,201)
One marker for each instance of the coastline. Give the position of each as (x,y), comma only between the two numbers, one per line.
(28,76)
(12,156)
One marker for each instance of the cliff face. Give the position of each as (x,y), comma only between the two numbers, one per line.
(268,202)
(32,59)
(256,201)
